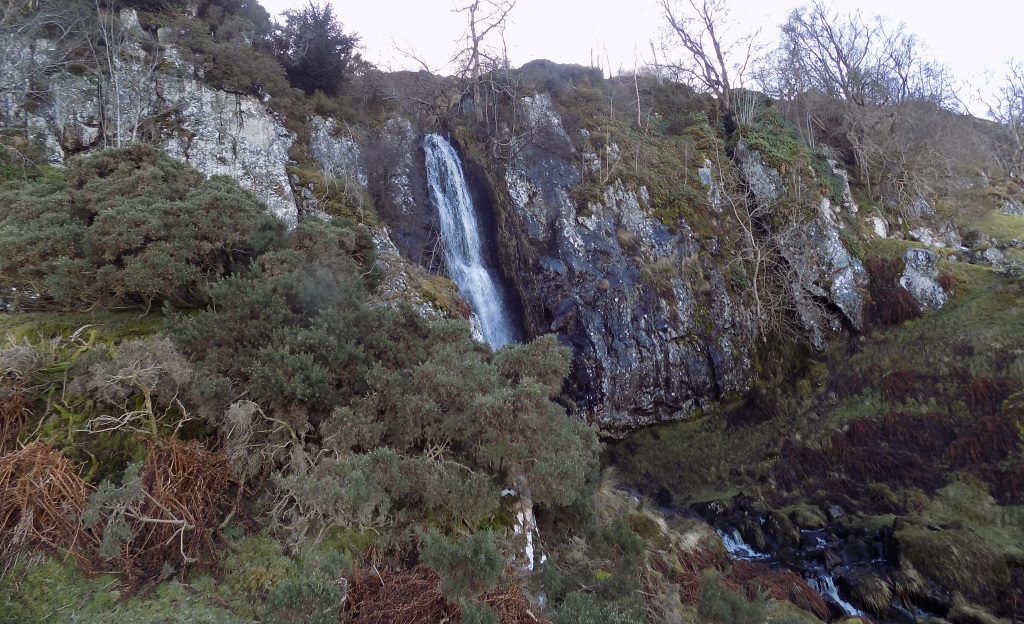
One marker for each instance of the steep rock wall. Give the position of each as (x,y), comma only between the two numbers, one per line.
(654,331)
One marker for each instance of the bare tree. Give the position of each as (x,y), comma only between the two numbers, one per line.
(1007,108)
(483,18)
(863,85)
(124,72)
(862,60)
(712,58)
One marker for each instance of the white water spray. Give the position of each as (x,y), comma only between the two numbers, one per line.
(460,238)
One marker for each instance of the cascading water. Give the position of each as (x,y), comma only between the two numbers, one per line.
(460,239)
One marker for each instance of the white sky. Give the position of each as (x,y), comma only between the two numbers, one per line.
(969,37)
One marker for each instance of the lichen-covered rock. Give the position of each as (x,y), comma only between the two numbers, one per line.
(710,182)
(764,182)
(848,203)
(844,275)
(942,235)
(880,227)
(155,100)
(919,278)
(398,284)
(230,134)
(1010,207)
(338,152)
(654,333)
(989,255)
(920,208)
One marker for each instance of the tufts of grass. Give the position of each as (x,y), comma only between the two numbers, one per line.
(956,559)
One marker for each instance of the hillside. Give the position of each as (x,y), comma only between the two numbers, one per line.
(282,344)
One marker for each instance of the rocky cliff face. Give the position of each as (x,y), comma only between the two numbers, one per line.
(654,332)
(156,99)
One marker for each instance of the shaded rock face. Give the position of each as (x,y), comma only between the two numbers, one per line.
(919,278)
(394,162)
(214,131)
(654,333)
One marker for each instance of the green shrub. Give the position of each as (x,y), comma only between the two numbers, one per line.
(129,226)
(468,566)
(582,608)
(315,594)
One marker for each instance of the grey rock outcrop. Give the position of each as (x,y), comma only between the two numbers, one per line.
(822,271)
(990,256)
(848,203)
(944,234)
(1010,207)
(654,333)
(919,278)
(157,100)
(234,135)
(880,227)
(764,182)
(338,152)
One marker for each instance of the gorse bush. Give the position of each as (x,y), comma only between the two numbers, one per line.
(129,226)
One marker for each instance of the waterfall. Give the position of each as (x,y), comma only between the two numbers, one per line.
(460,239)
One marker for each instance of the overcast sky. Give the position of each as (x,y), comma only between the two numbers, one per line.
(969,37)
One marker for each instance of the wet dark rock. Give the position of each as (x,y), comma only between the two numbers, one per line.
(752,534)
(781,530)
(654,332)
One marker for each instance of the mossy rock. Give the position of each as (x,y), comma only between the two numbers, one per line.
(444,293)
(872,592)
(969,614)
(806,517)
(752,534)
(956,560)
(780,527)
(650,528)
(785,612)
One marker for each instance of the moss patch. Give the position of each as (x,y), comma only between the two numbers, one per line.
(956,559)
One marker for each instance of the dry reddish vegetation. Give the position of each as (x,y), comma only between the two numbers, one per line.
(186,495)
(694,561)
(901,449)
(888,302)
(902,385)
(989,440)
(985,395)
(395,594)
(41,500)
(757,578)
(14,415)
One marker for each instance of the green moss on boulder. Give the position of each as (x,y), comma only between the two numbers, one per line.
(956,560)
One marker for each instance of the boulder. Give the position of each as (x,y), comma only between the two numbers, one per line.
(919,277)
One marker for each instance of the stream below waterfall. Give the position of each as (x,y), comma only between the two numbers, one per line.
(825,558)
